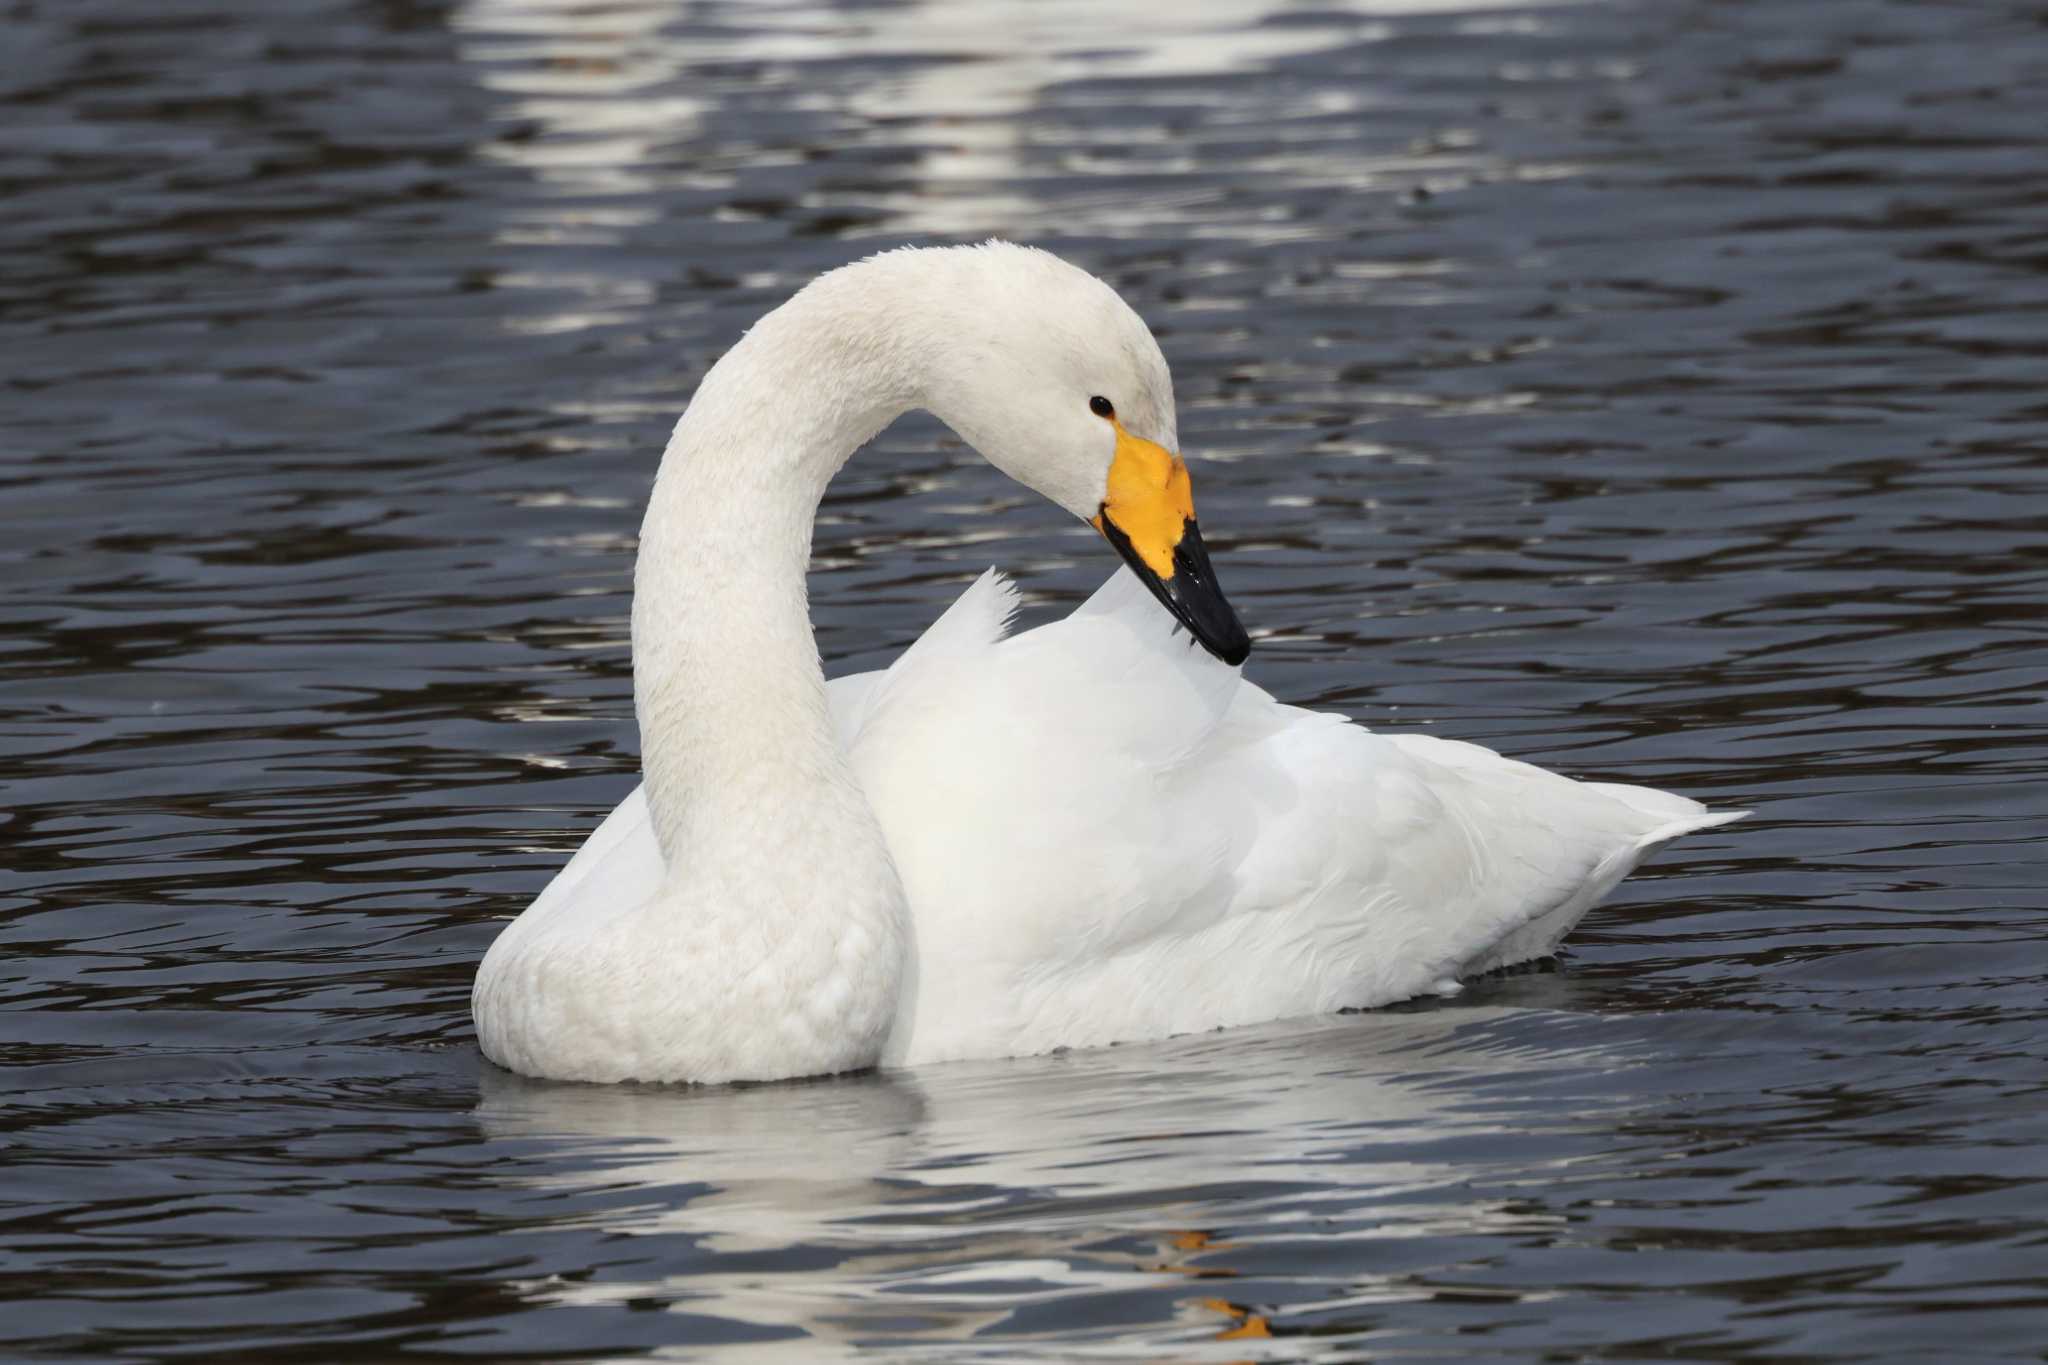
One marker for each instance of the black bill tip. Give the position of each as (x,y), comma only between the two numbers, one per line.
(1190,593)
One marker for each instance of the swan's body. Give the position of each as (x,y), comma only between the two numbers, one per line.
(1086,833)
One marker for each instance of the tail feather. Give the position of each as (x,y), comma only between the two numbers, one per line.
(1540,936)
(1688,824)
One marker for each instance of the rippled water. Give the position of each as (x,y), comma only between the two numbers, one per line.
(1655,391)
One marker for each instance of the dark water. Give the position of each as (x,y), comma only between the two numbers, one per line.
(1656,391)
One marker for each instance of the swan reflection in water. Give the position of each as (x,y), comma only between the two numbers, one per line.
(988,1197)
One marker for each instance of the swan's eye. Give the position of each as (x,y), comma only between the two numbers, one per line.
(1101,406)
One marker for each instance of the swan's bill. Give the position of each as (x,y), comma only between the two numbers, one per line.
(1148,514)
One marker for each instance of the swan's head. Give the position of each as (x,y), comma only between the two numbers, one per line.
(1058,383)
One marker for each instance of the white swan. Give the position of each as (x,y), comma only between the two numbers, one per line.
(1086,833)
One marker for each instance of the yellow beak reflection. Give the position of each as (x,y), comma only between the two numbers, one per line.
(1148,514)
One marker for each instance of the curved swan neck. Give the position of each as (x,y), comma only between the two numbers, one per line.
(736,737)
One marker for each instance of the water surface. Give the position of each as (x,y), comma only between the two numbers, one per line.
(1652,391)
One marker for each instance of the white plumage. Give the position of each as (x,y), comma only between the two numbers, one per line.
(1086,833)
